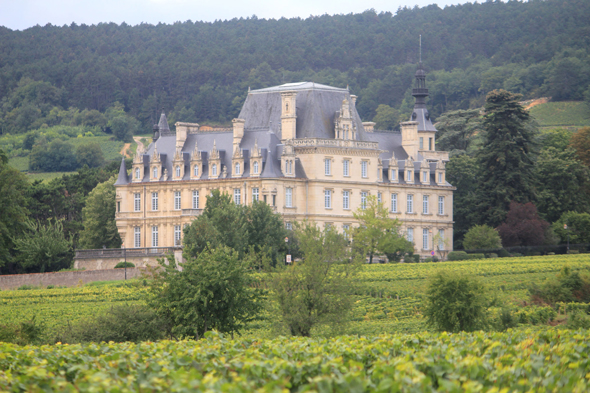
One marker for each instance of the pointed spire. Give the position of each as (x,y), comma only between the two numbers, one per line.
(163,124)
(122,178)
(196,153)
(178,155)
(392,160)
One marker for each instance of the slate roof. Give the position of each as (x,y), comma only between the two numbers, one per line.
(316,107)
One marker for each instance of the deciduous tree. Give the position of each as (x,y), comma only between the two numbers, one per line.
(523,226)
(481,237)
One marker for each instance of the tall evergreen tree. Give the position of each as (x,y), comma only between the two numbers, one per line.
(506,157)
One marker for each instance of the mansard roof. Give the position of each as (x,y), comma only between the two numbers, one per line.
(316,107)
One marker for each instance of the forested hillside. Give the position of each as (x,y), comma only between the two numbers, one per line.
(200,71)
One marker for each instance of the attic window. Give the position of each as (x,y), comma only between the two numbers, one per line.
(214,170)
(237,168)
(155,173)
(196,171)
(255,167)
(137,173)
(177,171)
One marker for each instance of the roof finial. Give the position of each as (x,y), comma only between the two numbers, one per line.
(420,48)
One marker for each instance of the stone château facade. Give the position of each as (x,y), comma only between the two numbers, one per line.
(303,149)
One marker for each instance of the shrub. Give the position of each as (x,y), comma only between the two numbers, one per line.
(573,252)
(121,323)
(455,303)
(503,253)
(492,255)
(476,256)
(457,256)
(578,320)
(506,320)
(122,265)
(481,237)
(26,332)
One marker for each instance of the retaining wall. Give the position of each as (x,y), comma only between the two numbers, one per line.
(68,279)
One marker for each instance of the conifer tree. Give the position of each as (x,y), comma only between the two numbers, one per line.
(506,157)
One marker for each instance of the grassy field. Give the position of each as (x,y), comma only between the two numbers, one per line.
(387,297)
(562,114)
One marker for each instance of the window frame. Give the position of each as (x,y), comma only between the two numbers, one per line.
(346,168)
(425,239)
(364,169)
(394,202)
(137,202)
(346,200)
(213,169)
(364,195)
(425,204)
(441,205)
(177,235)
(237,168)
(410,203)
(255,167)
(195,199)
(255,194)
(155,201)
(155,236)
(177,200)
(238,196)
(289,197)
(328,166)
(196,171)
(137,237)
(327,199)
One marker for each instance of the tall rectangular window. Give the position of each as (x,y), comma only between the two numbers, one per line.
(346,168)
(363,200)
(425,199)
(410,204)
(196,171)
(195,199)
(425,239)
(255,194)
(154,236)
(410,235)
(429,143)
(408,176)
(346,199)
(379,197)
(421,143)
(137,202)
(327,166)
(237,196)
(394,203)
(328,199)
(393,174)
(176,200)
(440,177)
(177,232)
(441,239)
(441,205)
(154,201)
(288,226)
(137,237)
(424,176)
(289,197)
(345,229)
(364,168)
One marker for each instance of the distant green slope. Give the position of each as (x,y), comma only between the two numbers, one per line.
(562,114)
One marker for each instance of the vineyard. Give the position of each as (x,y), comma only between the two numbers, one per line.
(387,297)
(523,361)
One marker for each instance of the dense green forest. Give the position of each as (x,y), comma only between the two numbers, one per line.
(198,71)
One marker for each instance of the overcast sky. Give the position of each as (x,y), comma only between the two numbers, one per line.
(21,14)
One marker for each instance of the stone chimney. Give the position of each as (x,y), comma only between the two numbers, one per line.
(238,127)
(369,126)
(182,130)
(409,131)
(288,115)
(353,99)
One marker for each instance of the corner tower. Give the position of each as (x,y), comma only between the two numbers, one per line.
(420,115)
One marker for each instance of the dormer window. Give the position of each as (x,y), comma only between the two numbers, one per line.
(237,168)
(255,167)
(137,173)
(424,176)
(214,170)
(422,143)
(393,174)
(177,171)
(155,173)
(409,176)
(440,177)
(196,171)
(345,132)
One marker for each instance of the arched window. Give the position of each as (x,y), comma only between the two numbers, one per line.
(137,173)
(256,167)
(196,171)
(177,171)
(237,168)
(155,173)
(214,170)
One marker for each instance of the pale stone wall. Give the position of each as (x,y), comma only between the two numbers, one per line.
(68,279)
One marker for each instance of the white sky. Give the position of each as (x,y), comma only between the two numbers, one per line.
(21,14)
